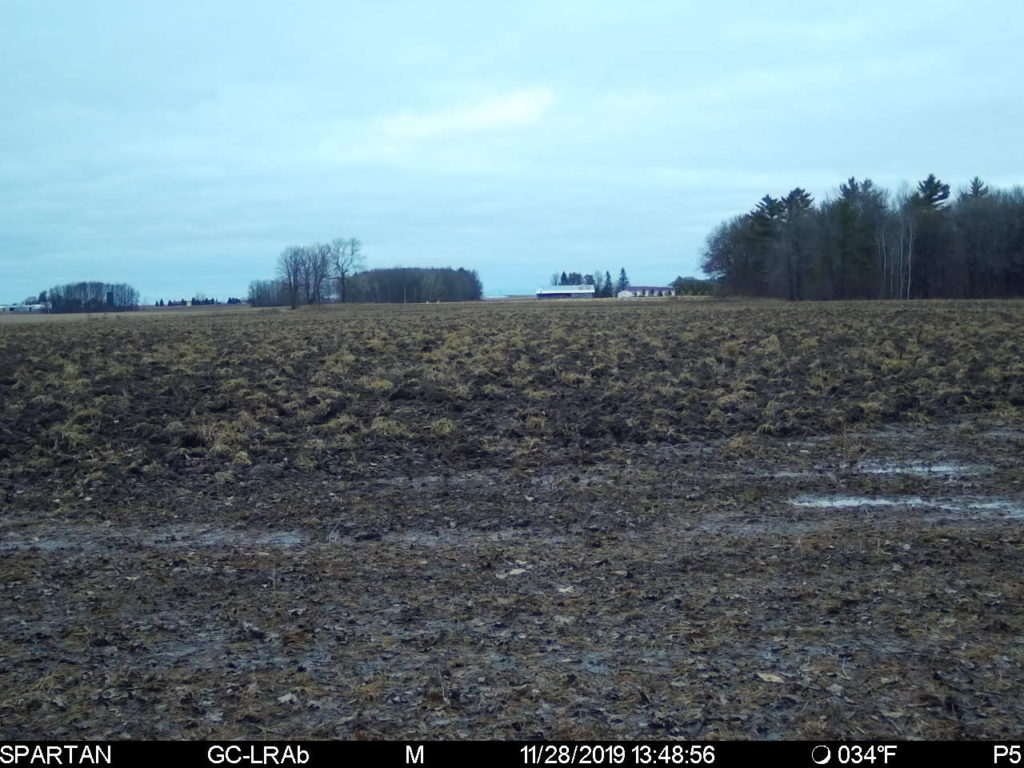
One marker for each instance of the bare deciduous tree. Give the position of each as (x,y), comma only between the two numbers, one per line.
(318,267)
(305,273)
(347,258)
(292,269)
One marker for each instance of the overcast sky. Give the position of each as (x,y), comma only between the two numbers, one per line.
(180,147)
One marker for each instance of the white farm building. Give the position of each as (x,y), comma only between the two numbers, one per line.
(24,307)
(645,291)
(566,292)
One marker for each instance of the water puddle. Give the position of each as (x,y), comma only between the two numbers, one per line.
(874,467)
(919,468)
(929,510)
(957,508)
(855,501)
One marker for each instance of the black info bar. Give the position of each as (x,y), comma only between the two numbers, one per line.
(514,753)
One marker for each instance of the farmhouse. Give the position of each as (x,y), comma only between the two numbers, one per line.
(642,291)
(566,292)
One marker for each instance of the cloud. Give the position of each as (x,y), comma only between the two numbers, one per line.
(513,110)
(461,138)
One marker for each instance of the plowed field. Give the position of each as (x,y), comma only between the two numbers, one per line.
(692,520)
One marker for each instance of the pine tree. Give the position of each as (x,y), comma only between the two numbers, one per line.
(978,188)
(623,281)
(931,193)
(765,232)
(797,205)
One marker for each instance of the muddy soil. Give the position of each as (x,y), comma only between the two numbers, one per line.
(849,586)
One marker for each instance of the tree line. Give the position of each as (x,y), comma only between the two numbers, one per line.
(196,301)
(416,285)
(333,272)
(692,286)
(90,297)
(865,242)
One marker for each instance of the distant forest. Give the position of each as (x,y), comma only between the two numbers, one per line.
(91,297)
(330,272)
(415,284)
(868,243)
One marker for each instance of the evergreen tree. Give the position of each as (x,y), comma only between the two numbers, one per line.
(932,193)
(797,208)
(977,189)
(623,281)
(927,209)
(762,253)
